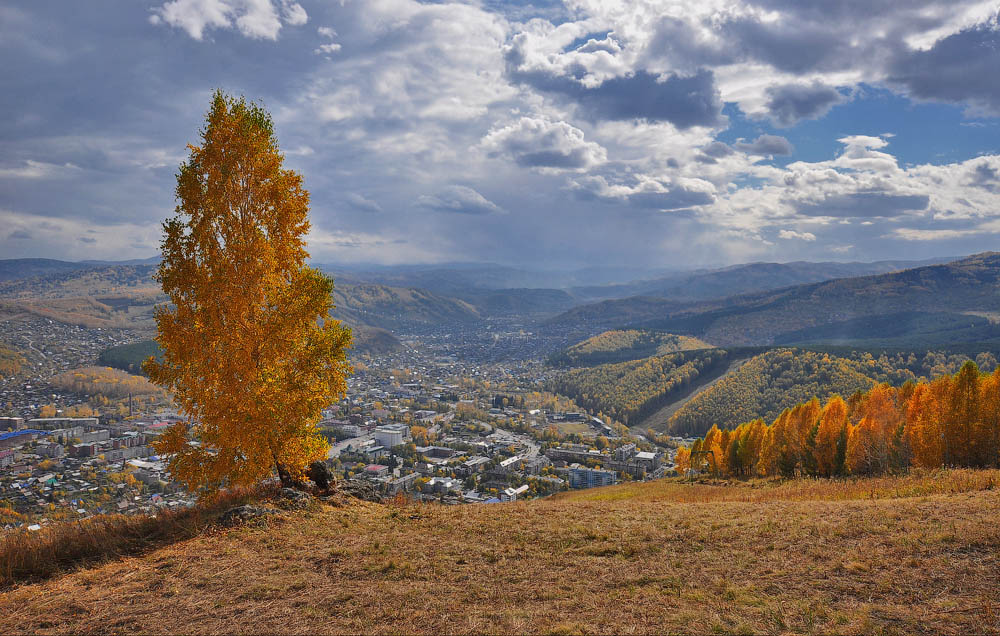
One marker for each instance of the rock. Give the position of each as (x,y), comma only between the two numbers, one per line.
(292,499)
(320,475)
(243,514)
(359,489)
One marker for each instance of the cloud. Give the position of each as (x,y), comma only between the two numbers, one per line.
(684,100)
(259,19)
(19,235)
(460,200)
(866,204)
(793,235)
(766,145)
(359,202)
(646,193)
(986,176)
(38,170)
(327,49)
(960,68)
(789,104)
(717,150)
(540,143)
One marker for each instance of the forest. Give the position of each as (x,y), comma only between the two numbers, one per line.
(629,391)
(10,361)
(769,383)
(129,357)
(106,382)
(623,345)
(952,421)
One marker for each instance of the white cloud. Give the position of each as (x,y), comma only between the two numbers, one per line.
(793,235)
(326,49)
(542,144)
(260,19)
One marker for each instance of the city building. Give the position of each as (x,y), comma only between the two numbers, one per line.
(591,477)
(11,423)
(391,435)
(510,494)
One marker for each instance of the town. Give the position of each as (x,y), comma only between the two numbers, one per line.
(443,419)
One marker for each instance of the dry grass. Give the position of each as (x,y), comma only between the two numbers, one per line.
(915,564)
(31,556)
(917,483)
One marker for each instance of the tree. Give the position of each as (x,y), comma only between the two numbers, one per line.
(249,349)
(832,425)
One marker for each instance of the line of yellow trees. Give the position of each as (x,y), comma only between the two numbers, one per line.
(951,421)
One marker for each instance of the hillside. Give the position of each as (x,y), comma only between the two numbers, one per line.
(769,383)
(129,358)
(124,296)
(622,346)
(941,301)
(10,360)
(902,555)
(395,307)
(630,391)
(21,268)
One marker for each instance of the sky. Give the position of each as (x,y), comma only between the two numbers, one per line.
(549,134)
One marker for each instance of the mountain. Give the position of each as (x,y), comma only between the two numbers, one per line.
(117,295)
(968,289)
(958,299)
(742,279)
(21,268)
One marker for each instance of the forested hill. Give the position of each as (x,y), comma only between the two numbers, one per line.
(631,391)
(769,383)
(622,346)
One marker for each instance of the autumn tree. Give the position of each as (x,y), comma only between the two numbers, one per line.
(249,350)
(831,438)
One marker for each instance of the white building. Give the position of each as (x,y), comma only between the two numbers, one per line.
(510,494)
(391,435)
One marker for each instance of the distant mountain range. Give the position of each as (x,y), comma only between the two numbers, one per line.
(751,304)
(936,304)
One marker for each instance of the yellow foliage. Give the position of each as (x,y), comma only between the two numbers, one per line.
(249,350)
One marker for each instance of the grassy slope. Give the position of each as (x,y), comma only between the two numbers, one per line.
(634,559)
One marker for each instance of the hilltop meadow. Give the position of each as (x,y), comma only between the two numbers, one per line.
(892,555)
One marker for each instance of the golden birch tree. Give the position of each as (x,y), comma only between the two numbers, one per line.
(249,350)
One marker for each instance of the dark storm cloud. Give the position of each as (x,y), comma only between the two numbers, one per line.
(791,103)
(865,205)
(684,101)
(789,45)
(766,145)
(961,68)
